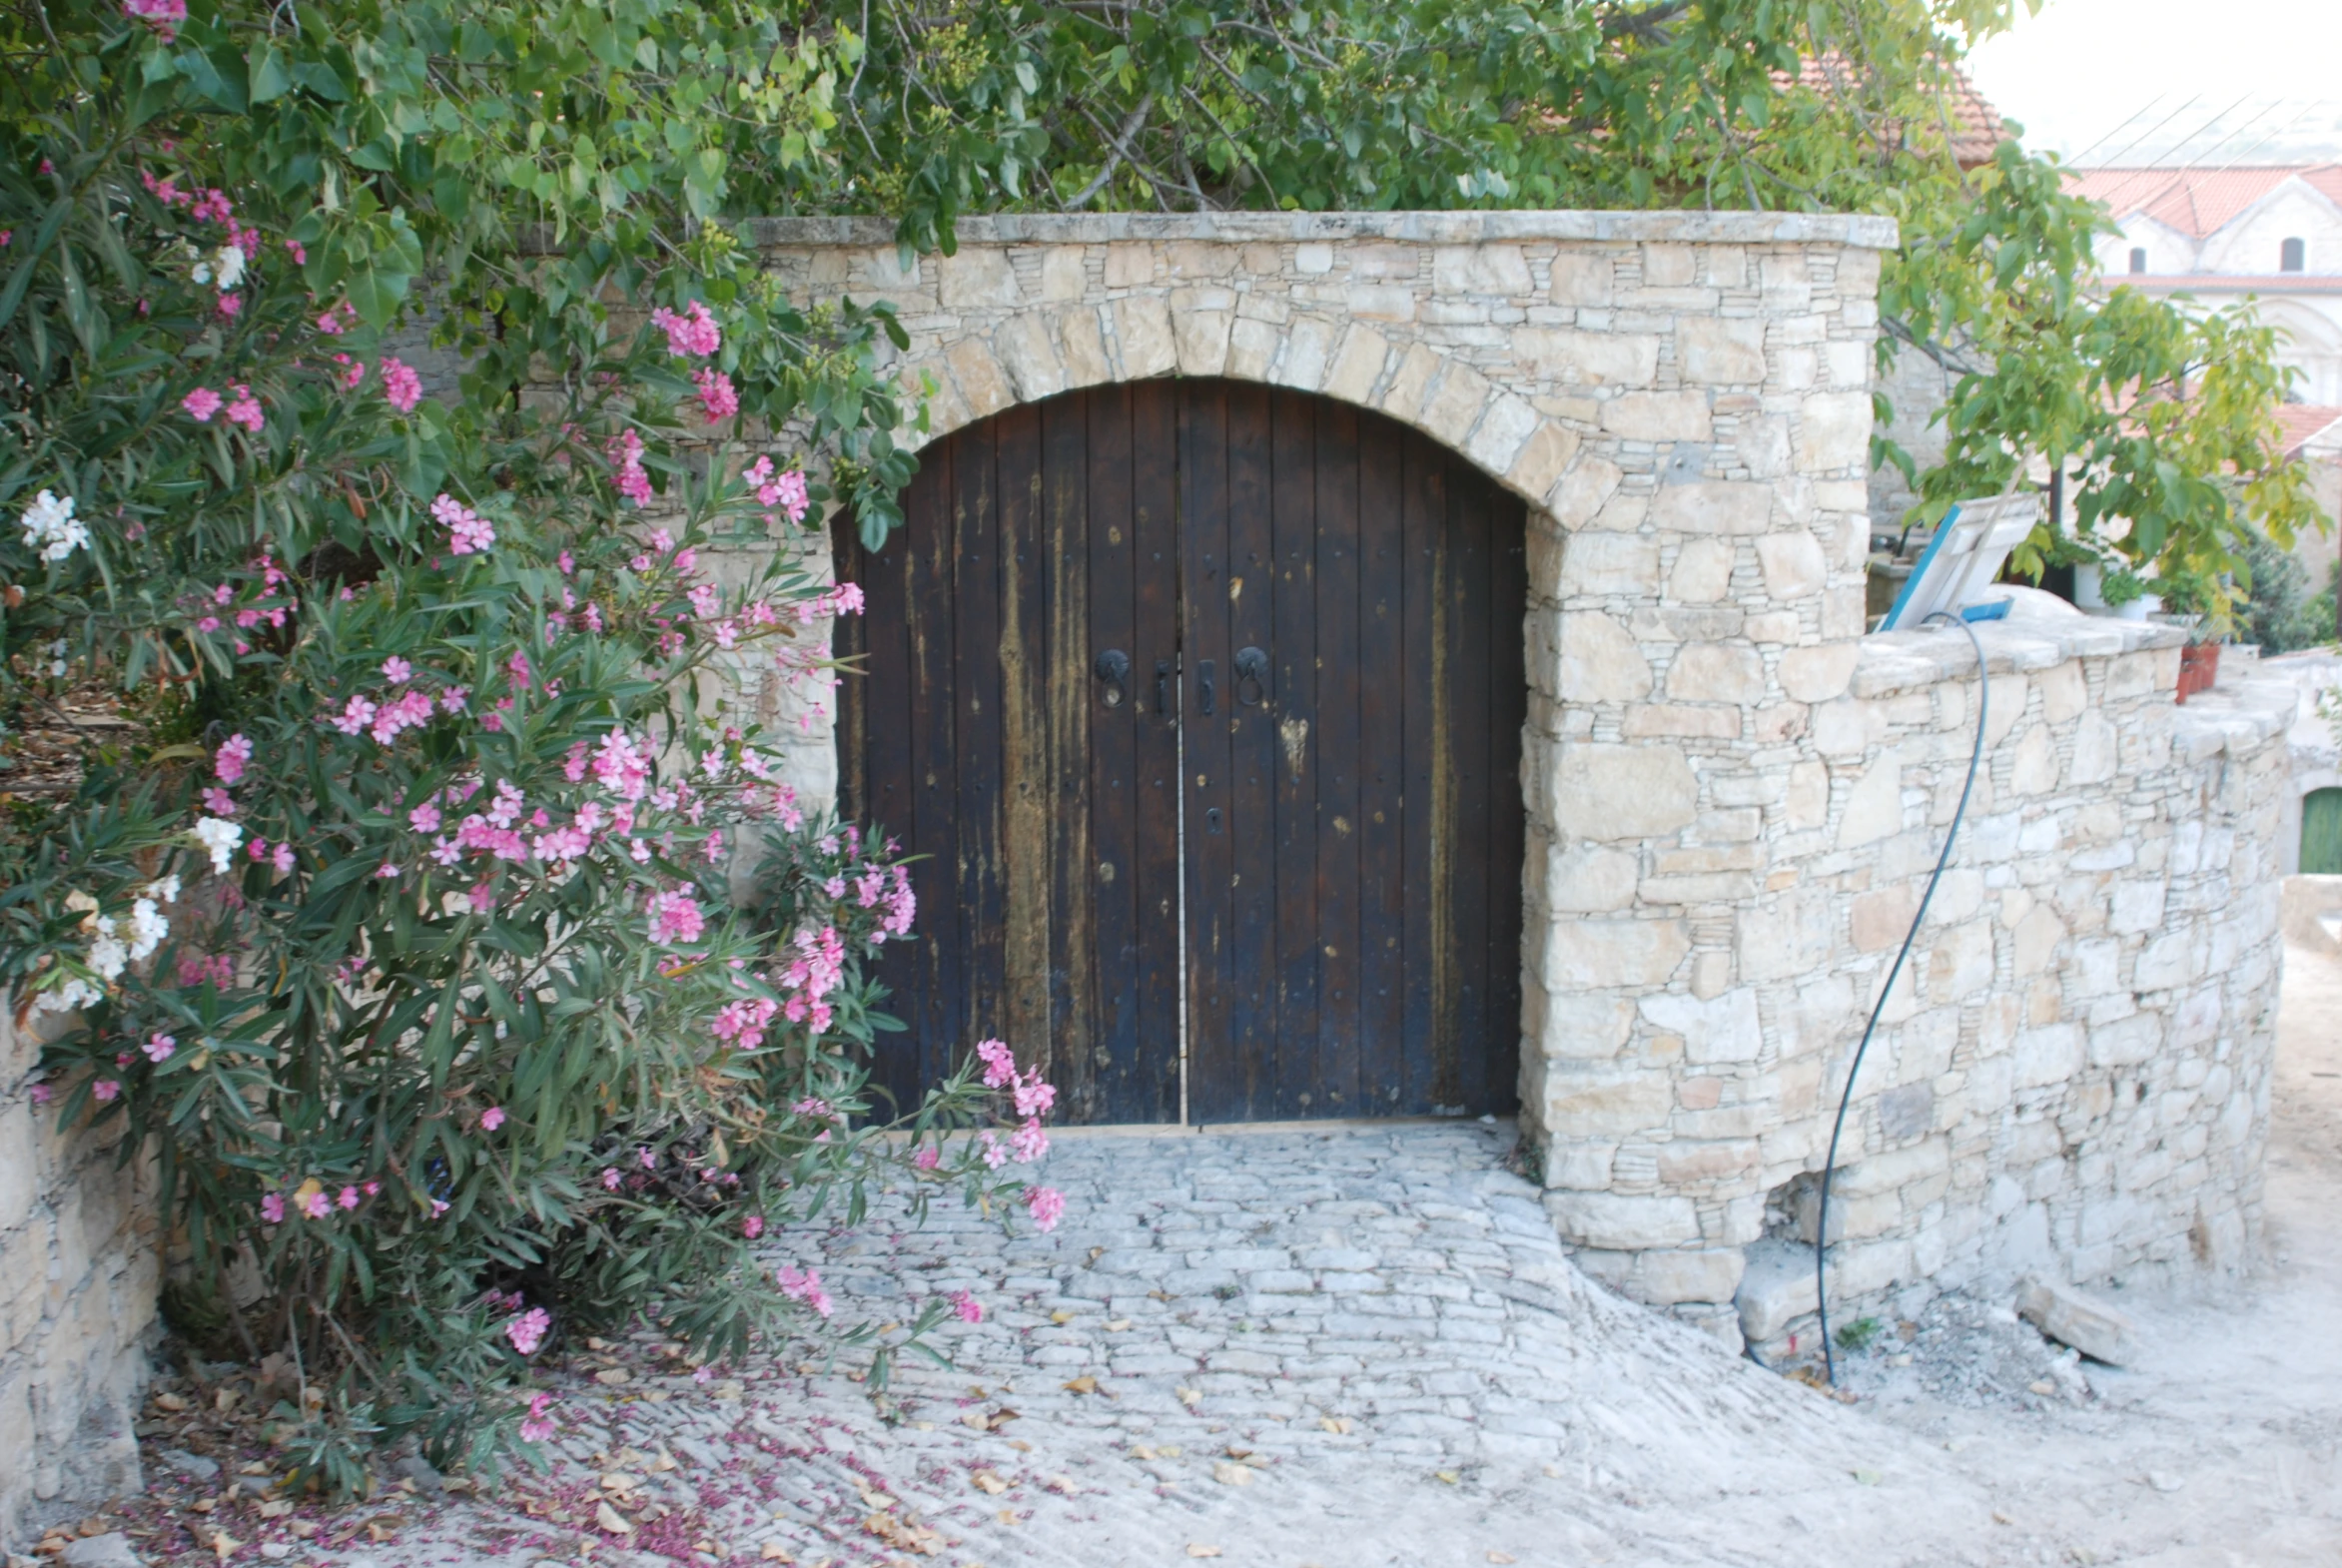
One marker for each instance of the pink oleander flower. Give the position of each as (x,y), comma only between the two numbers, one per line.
(752,1226)
(994,1153)
(965,1307)
(1034,1098)
(159,1047)
(717,398)
(230,305)
(349,1198)
(318,1205)
(228,762)
(201,405)
(805,1288)
(1029,1143)
(273,1208)
(491,1119)
(425,818)
(245,411)
(397,669)
(528,1331)
(791,497)
(693,335)
(928,1158)
(648,1155)
(625,455)
(106,1088)
(467,532)
(675,919)
(401,388)
(999,1063)
(219,802)
(283,860)
(535,1427)
(1046,1206)
(164,16)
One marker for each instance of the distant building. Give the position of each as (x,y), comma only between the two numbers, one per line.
(2222,234)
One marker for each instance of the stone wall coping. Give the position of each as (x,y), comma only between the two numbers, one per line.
(2235,715)
(1896,662)
(1860,231)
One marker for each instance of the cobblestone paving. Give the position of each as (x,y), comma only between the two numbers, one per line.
(1325,1347)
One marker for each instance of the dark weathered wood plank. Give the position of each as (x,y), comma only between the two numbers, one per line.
(1293,658)
(1069,689)
(1508,695)
(976,730)
(1151,1091)
(937,977)
(1423,523)
(1251,713)
(1463,1067)
(1383,652)
(1215,1076)
(1026,775)
(1111,869)
(1340,974)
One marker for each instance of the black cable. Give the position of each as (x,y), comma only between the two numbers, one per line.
(1830,1166)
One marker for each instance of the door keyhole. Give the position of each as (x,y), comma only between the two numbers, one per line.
(1211,819)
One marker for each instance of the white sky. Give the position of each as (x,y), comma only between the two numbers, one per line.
(2265,77)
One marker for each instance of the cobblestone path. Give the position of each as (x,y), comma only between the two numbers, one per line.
(1339,1347)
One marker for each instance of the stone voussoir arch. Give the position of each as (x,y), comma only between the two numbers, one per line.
(1520,341)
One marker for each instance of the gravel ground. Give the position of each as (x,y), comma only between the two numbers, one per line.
(1351,1347)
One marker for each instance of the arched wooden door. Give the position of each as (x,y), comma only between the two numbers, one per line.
(1204,701)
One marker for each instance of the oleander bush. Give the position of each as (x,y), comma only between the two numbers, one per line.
(400,931)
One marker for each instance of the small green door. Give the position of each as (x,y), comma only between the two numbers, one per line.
(2321,832)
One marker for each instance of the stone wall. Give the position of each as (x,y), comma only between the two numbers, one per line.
(1732,793)
(78,1284)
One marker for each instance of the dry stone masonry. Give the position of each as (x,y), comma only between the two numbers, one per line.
(1734,795)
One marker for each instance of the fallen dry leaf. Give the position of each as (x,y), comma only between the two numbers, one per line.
(1451,1477)
(1198,1549)
(1082,1385)
(990,1482)
(224,1545)
(1008,1516)
(1189,1396)
(170,1402)
(1061,1483)
(776,1552)
(611,1520)
(665,1461)
(1170,1451)
(1061,1318)
(204,1504)
(1141,1451)
(1118,1325)
(225,1400)
(1227,1474)
(1340,1425)
(613,1376)
(275,1509)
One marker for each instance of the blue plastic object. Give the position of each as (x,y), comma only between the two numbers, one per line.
(1996,610)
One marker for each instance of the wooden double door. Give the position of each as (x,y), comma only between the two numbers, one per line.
(1202,703)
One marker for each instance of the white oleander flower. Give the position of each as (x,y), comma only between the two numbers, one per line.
(164,891)
(228,266)
(220,836)
(51,528)
(148,928)
(109,954)
(75,993)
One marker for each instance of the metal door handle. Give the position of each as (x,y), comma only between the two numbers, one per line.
(1205,672)
(1113,669)
(1163,687)
(1251,665)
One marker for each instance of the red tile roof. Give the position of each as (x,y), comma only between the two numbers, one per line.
(2197,202)
(1975,124)
(2303,421)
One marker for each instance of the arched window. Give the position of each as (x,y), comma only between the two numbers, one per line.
(2138,259)
(2292,256)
